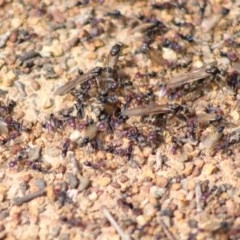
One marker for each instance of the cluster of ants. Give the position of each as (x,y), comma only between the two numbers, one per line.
(117,100)
(112,113)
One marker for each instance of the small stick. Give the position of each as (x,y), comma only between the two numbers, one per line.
(159,160)
(198,194)
(75,165)
(166,231)
(110,218)
(27,198)
(21,88)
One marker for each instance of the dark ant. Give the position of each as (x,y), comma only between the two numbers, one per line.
(183,24)
(53,123)
(232,56)
(188,38)
(167,43)
(95,166)
(123,152)
(79,105)
(38,166)
(8,108)
(233,80)
(73,222)
(164,6)
(152,74)
(211,109)
(13,135)
(202,7)
(159,28)
(65,147)
(114,14)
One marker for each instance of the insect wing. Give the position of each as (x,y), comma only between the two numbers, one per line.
(70,85)
(179,80)
(3,127)
(148,110)
(78,80)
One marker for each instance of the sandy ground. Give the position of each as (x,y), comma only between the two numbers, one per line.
(73,166)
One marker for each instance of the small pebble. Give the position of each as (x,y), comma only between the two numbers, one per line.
(34,153)
(161,181)
(9,79)
(57,51)
(123,178)
(64,236)
(142,220)
(75,136)
(233,208)
(93,196)
(2,62)
(209,169)
(48,103)
(41,184)
(188,169)
(176,186)
(58,16)
(54,232)
(116,185)
(84,183)
(73,181)
(21,88)
(16,22)
(35,85)
(3,39)
(103,181)
(52,151)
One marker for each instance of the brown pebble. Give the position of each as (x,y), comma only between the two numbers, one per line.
(176,186)
(13,37)
(27,178)
(50,193)
(107,175)
(19,115)
(2,2)
(58,16)
(101,155)
(35,85)
(188,169)
(10,60)
(196,171)
(233,209)
(116,185)
(178,215)
(104,181)
(181,195)
(191,185)
(61,169)
(16,149)
(161,181)
(124,179)
(147,151)
(26,70)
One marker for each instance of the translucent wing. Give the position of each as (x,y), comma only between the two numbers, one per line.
(78,80)
(151,109)
(3,127)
